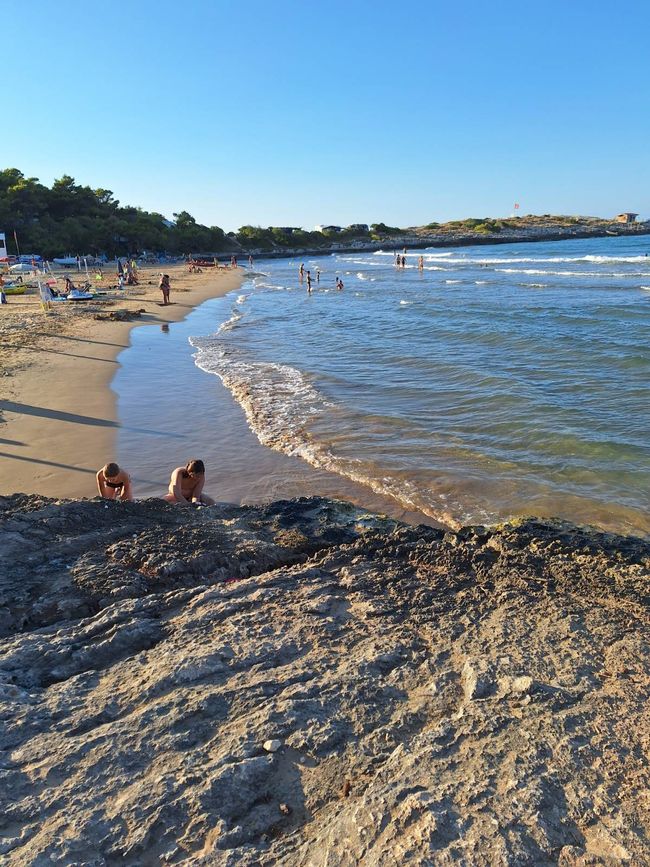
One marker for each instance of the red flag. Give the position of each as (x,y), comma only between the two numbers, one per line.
(516,205)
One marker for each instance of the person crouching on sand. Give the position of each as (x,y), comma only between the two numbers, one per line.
(113,483)
(186,485)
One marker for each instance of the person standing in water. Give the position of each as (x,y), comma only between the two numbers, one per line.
(301,271)
(421,263)
(309,282)
(186,485)
(318,275)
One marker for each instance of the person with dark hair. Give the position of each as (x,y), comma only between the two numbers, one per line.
(113,483)
(186,485)
(165,288)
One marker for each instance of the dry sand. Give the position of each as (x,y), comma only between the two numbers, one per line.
(58,413)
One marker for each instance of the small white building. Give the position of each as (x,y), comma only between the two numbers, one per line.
(3,246)
(626,218)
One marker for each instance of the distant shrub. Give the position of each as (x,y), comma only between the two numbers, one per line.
(383,229)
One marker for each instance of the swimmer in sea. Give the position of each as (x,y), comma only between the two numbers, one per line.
(186,485)
(113,483)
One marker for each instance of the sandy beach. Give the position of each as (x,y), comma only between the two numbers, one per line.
(58,414)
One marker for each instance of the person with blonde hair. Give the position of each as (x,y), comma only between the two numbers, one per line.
(114,483)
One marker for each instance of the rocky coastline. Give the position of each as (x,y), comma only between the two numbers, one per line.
(421,238)
(303,683)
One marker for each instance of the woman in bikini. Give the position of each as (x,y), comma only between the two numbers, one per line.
(113,483)
(165,288)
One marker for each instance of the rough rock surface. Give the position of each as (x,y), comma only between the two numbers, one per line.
(303,684)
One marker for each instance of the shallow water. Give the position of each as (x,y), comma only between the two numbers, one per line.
(500,380)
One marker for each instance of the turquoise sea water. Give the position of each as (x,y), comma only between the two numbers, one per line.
(500,380)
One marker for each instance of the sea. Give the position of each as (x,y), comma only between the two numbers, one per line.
(493,382)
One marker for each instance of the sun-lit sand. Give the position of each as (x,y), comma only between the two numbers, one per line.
(58,411)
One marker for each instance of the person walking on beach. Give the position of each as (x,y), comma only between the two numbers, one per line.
(186,485)
(113,483)
(165,288)
(309,282)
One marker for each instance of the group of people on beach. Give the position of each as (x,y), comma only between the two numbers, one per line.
(185,484)
(69,290)
(127,273)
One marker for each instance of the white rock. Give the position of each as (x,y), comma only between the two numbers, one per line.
(522,684)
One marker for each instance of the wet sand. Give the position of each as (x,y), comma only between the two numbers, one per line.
(59,416)
(193,415)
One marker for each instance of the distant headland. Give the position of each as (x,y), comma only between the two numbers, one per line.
(70,219)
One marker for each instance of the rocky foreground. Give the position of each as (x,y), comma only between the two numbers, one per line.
(303,684)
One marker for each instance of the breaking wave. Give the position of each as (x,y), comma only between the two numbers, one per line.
(282,406)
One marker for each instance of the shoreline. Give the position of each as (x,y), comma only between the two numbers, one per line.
(58,411)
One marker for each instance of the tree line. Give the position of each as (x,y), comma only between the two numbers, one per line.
(69,218)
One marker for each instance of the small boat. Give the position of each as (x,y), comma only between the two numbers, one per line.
(610,233)
(66,261)
(14,290)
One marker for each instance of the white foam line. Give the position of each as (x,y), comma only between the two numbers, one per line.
(279,403)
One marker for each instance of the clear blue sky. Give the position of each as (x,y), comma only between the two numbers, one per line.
(298,113)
